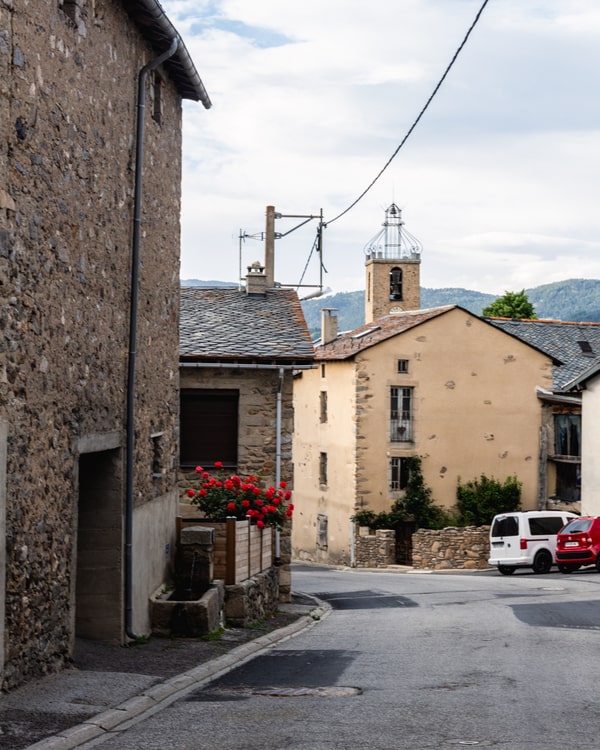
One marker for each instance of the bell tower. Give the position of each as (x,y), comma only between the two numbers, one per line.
(392,266)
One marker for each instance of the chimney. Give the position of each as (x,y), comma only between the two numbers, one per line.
(329,324)
(270,247)
(256,281)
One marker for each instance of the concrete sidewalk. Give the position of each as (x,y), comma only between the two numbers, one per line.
(112,686)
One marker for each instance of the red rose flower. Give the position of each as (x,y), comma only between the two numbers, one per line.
(260,525)
(191,493)
(230,506)
(218,464)
(246,503)
(199,469)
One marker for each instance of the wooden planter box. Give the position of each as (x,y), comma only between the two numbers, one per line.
(241,550)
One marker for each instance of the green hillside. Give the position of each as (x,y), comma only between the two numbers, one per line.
(573,300)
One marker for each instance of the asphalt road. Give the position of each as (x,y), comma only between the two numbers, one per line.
(408,660)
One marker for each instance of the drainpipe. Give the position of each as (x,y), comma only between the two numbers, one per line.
(278,458)
(133,314)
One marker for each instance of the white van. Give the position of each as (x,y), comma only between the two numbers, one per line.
(525,539)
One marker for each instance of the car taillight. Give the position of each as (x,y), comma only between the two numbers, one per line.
(523,543)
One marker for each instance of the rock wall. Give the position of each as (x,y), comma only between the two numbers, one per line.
(68,91)
(376,550)
(253,599)
(464,548)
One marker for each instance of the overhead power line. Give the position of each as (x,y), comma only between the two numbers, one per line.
(420,115)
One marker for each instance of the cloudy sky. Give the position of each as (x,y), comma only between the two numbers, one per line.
(499,180)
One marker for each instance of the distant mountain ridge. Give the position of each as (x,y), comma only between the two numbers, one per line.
(575,300)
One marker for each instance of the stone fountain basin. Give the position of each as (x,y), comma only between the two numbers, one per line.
(187,617)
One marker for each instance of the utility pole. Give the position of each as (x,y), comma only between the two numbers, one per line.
(270,248)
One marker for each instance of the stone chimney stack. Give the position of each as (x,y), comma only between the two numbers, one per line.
(256,280)
(329,324)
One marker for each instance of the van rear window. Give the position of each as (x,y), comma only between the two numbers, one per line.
(505,526)
(543,525)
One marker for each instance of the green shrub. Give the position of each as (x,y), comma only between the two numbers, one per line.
(479,500)
(415,506)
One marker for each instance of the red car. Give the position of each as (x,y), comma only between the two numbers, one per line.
(578,543)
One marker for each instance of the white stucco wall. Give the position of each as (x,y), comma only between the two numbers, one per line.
(590,440)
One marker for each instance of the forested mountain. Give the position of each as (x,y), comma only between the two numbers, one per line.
(573,300)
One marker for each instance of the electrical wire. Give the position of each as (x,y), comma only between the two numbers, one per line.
(420,115)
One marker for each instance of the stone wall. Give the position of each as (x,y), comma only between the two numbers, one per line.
(253,599)
(464,548)
(68,91)
(375,550)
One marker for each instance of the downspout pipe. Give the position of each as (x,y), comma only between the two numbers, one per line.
(133,318)
(278,429)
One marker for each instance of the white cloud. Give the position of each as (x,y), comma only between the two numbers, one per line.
(499,180)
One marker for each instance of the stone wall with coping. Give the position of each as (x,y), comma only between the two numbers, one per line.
(253,599)
(461,548)
(376,549)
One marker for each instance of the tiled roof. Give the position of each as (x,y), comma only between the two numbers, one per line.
(564,341)
(350,343)
(226,324)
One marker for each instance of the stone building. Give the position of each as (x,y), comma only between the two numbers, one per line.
(89,279)
(239,351)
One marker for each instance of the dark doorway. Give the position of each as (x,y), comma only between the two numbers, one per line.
(99,589)
(404,532)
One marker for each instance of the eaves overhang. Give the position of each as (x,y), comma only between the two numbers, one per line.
(151,19)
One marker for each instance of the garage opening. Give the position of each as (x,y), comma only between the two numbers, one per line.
(99,587)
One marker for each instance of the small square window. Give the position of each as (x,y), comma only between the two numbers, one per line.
(403,365)
(322,371)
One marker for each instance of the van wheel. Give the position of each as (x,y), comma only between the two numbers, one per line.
(542,562)
(506,570)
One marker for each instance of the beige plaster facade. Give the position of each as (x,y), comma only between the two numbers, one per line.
(472,409)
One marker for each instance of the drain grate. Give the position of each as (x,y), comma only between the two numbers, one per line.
(300,692)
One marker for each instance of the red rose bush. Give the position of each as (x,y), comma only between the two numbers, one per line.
(222,497)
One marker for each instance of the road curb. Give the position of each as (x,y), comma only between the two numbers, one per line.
(162,694)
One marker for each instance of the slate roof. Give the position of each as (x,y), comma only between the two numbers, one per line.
(350,343)
(561,340)
(227,325)
(154,25)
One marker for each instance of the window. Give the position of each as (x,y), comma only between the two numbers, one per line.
(396,283)
(322,531)
(157,457)
(401,417)
(71,9)
(545,525)
(323,406)
(403,366)
(323,468)
(567,434)
(399,474)
(157,97)
(209,427)
(322,371)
